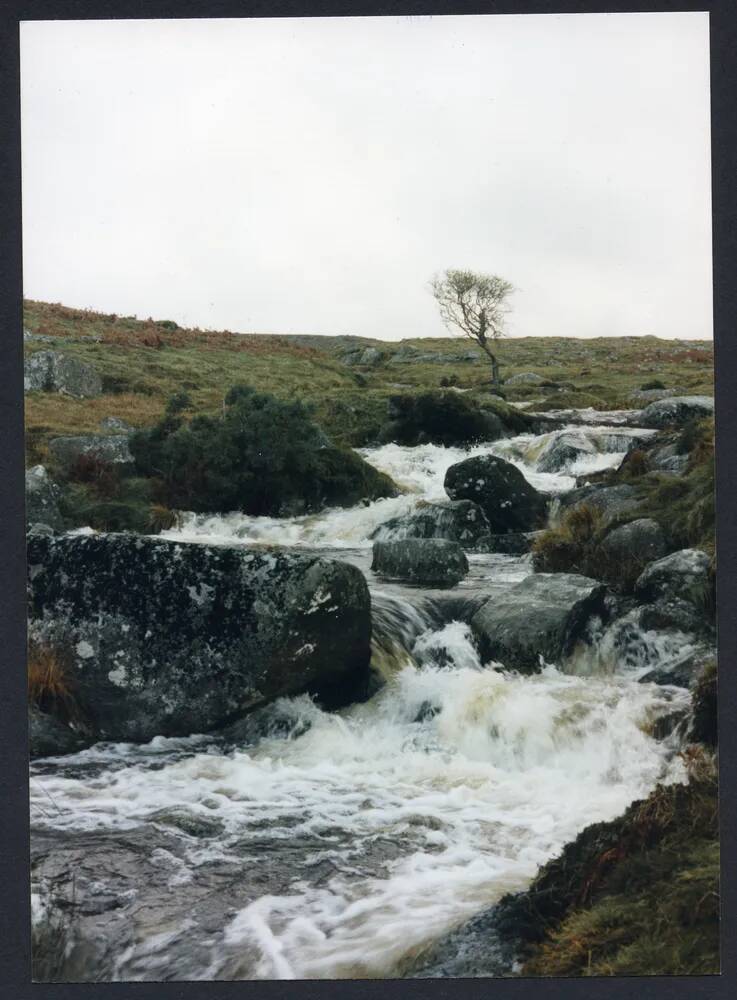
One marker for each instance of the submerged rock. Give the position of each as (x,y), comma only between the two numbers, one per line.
(421,560)
(42,499)
(684,575)
(459,521)
(50,371)
(500,489)
(543,616)
(173,639)
(676,410)
(113,448)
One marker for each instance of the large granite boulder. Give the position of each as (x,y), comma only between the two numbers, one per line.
(610,501)
(676,410)
(540,618)
(640,541)
(112,448)
(459,521)
(168,638)
(421,560)
(51,371)
(42,499)
(682,576)
(500,489)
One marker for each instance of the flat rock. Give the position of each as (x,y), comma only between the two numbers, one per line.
(684,575)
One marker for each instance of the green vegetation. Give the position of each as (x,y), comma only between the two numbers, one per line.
(637,896)
(449,418)
(143,363)
(259,455)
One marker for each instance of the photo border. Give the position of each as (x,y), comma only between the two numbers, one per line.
(14,796)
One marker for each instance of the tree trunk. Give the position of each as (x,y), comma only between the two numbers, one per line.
(494,371)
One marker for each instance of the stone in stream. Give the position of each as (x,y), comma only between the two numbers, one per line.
(459,521)
(112,448)
(500,489)
(51,371)
(542,616)
(513,543)
(50,737)
(610,501)
(42,499)
(563,451)
(172,639)
(676,410)
(684,575)
(421,560)
(640,541)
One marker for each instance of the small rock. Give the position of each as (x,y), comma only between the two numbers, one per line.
(421,560)
(642,540)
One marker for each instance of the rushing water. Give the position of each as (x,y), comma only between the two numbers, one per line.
(312,844)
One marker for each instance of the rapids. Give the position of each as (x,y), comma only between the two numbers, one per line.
(329,845)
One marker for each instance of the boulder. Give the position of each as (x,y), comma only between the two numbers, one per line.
(669,459)
(649,395)
(676,410)
(500,489)
(673,615)
(50,371)
(457,521)
(50,737)
(683,671)
(111,448)
(173,639)
(524,378)
(684,575)
(642,540)
(514,543)
(540,618)
(610,501)
(421,560)
(42,499)
(563,450)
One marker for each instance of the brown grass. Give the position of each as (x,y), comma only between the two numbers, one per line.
(51,687)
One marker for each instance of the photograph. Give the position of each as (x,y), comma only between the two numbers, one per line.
(370,497)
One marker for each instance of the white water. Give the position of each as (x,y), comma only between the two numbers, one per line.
(450,787)
(420,471)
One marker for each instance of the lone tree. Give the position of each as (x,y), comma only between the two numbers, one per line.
(475,305)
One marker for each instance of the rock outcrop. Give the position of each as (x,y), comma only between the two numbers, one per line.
(509,502)
(421,560)
(51,371)
(682,576)
(540,618)
(173,639)
(610,501)
(42,499)
(112,448)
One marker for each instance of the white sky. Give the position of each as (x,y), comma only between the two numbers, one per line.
(310,175)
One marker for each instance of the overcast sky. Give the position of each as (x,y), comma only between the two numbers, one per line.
(310,175)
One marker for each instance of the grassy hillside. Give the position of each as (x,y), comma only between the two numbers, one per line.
(143,362)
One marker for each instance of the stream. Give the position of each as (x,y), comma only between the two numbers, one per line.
(306,844)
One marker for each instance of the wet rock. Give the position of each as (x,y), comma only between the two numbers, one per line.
(610,501)
(669,459)
(514,543)
(42,499)
(680,672)
(676,410)
(113,448)
(524,378)
(500,489)
(543,616)
(50,737)
(459,521)
(420,560)
(642,540)
(563,451)
(684,575)
(50,371)
(673,615)
(704,706)
(174,639)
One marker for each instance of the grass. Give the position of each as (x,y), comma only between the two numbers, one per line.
(142,363)
(51,688)
(637,896)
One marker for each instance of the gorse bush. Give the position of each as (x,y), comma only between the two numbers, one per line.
(259,454)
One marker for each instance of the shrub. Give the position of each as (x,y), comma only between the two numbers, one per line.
(103,475)
(654,383)
(260,455)
(446,418)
